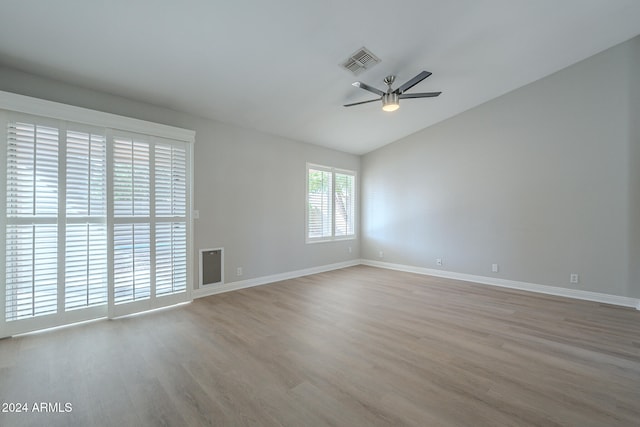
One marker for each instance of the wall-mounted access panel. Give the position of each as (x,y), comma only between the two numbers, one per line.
(211,266)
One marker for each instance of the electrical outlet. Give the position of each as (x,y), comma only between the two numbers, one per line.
(350,250)
(196,214)
(494,268)
(574,278)
(439,261)
(239,271)
(381,254)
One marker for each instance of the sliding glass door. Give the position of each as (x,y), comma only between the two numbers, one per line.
(96,222)
(149,232)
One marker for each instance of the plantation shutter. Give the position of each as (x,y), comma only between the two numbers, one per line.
(132,231)
(319,203)
(150,215)
(131,262)
(131,180)
(31,224)
(96,215)
(331,203)
(171,258)
(86,228)
(171,210)
(32,171)
(344,204)
(31,270)
(170,181)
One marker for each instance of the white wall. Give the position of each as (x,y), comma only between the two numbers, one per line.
(249,186)
(538,181)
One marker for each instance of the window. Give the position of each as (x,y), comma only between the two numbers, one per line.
(86,218)
(132,228)
(330,203)
(32,218)
(96,221)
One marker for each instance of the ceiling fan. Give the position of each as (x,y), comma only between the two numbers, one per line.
(391,98)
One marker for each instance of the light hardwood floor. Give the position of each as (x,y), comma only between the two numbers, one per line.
(355,347)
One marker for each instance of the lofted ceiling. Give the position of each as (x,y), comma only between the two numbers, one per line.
(273,65)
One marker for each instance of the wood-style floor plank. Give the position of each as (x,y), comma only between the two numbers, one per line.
(355,347)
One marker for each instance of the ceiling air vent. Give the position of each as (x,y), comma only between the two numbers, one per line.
(360,60)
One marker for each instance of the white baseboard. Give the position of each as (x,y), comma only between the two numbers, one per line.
(512,284)
(492,281)
(249,283)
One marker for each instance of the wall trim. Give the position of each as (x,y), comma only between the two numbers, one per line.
(512,284)
(265,280)
(483,280)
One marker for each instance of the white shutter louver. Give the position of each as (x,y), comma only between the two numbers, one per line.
(131,262)
(131,241)
(130,177)
(320,208)
(86,174)
(170,181)
(32,170)
(31,270)
(86,266)
(171,258)
(86,232)
(31,248)
(171,201)
(344,205)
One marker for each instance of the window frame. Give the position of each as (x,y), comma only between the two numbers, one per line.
(333,171)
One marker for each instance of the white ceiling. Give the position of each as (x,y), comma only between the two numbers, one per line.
(273,65)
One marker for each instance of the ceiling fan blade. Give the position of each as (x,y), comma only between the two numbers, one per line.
(363,102)
(414,81)
(419,95)
(369,88)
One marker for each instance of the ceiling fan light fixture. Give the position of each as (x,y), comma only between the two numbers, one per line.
(391,98)
(390,101)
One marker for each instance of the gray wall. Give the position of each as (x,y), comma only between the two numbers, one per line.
(538,181)
(248,186)
(634,157)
